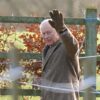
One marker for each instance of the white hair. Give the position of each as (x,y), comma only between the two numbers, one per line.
(44,22)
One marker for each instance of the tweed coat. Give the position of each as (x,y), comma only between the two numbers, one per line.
(61,68)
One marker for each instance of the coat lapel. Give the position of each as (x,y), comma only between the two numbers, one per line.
(47,57)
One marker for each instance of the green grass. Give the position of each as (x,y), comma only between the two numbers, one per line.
(30,98)
(98,82)
(20,98)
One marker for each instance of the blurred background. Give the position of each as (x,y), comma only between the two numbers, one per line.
(70,8)
(25,37)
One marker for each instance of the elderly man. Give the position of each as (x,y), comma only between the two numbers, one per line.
(61,70)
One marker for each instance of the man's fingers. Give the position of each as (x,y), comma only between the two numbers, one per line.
(57,19)
(52,15)
(60,16)
(55,12)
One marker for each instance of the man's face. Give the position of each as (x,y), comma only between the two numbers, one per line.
(49,34)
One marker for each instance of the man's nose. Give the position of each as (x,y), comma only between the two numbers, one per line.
(46,35)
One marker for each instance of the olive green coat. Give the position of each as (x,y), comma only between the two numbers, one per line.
(60,66)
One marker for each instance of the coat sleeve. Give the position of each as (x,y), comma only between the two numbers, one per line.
(70,42)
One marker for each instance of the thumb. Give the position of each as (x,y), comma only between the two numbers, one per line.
(52,23)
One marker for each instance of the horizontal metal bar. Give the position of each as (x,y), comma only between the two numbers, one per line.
(15,19)
(18,19)
(22,55)
(29,92)
(37,56)
(75,21)
(25,92)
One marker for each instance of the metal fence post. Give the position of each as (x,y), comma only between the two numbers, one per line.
(90,50)
(13,55)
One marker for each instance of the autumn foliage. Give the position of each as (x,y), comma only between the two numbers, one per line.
(33,43)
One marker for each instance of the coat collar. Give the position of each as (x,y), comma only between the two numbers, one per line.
(47,57)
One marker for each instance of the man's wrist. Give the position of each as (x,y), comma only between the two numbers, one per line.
(63,31)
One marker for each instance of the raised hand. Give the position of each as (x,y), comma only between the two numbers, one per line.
(57,21)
